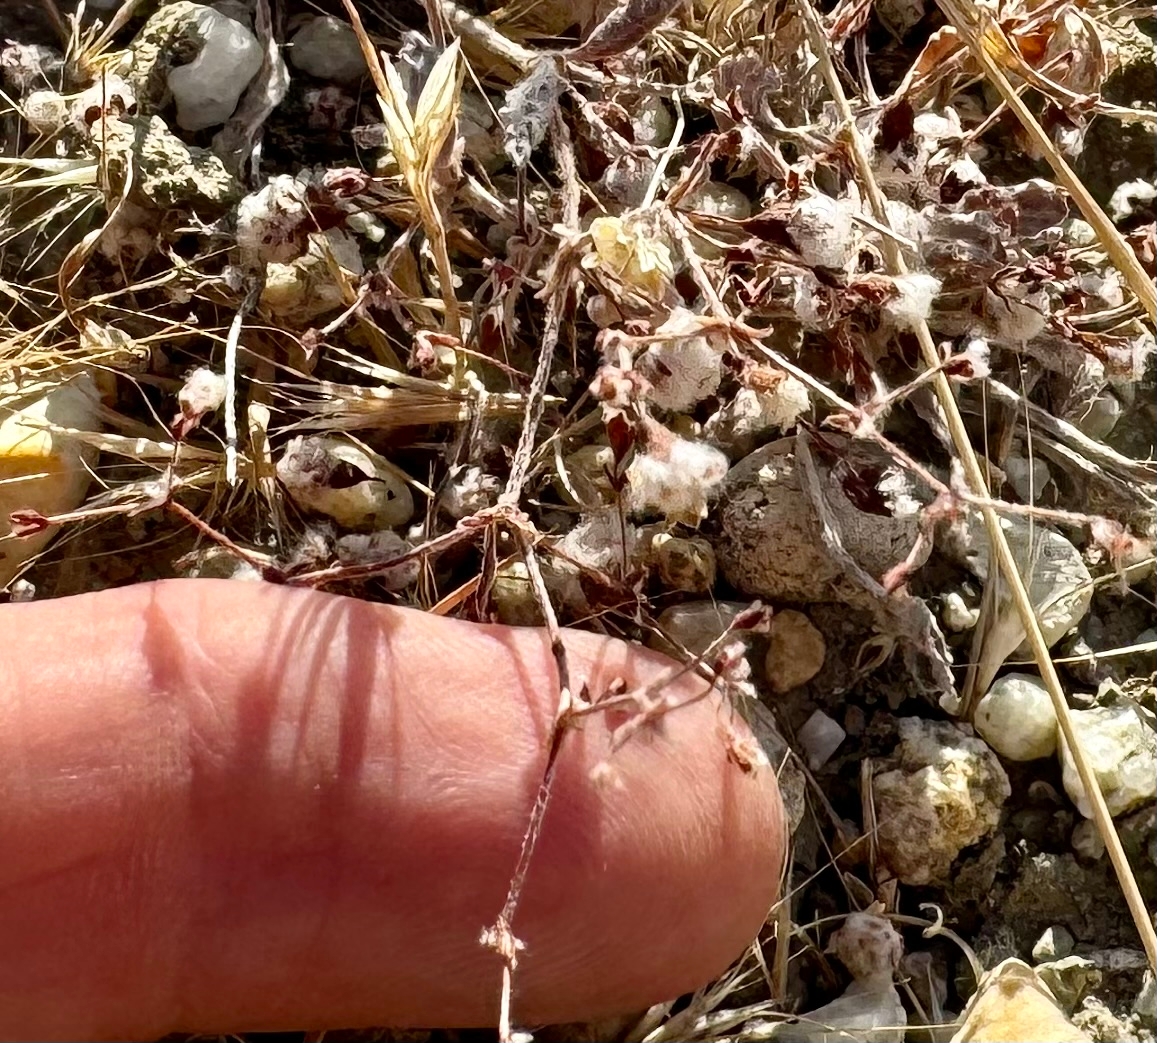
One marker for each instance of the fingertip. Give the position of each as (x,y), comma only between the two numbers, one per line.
(342,811)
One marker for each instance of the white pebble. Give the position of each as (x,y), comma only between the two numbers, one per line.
(956,613)
(1121,750)
(1016,718)
(208,88)
(355,487)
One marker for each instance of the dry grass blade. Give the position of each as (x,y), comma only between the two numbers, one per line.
(985,39)
(417,140)
(975,478)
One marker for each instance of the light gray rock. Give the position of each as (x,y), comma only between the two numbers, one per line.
(1122,751)
(1016,718)
(328,48)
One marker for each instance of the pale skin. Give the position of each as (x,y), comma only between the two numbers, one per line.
(230,806)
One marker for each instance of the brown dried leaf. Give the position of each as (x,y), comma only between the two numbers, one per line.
(626,25)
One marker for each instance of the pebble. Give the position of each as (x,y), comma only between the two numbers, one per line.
(208,88)
(355,487)
(695,624)
(327,48)
(956,613)
(795,652)
(771,540)
(1122,752)
(944,794)
(39,470)
(1016,718)
(1012,1005)
(1086,840)
(685,563)
(718,200)
(1054,944)
(513,598)
(1100,416)
(820,737)
(1028,478)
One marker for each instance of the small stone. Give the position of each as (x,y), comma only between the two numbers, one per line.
(944,794)
(771,540)
(208,88)
(513,596)
(1027,478)
(43,471)
(685,564)
(1016,718)
(956,613)
(820,737)
(1122,752)
(695,624)
(795,653)
(1100,416)
(1054,944)
(1012,1005)
(355,487)
(328,48)
(715,199)
(1086,840)
(652,122)
(170,173)
(1069,979)
(1145,1005)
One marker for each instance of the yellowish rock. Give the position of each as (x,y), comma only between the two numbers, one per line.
(1012,1005)
(795,651)
(40,469)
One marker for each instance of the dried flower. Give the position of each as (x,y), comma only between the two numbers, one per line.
(633,253)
